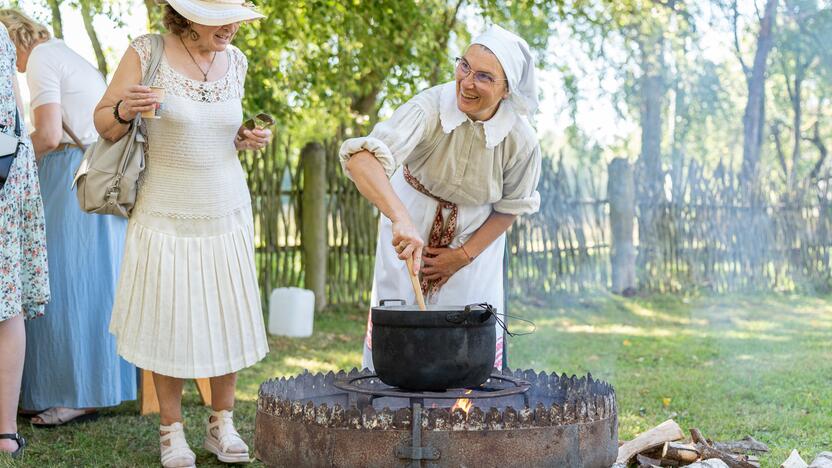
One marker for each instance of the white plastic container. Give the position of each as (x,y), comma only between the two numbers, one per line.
(291,312)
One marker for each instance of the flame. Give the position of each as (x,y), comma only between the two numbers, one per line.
(464,404)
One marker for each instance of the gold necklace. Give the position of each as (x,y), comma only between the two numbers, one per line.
(204,73)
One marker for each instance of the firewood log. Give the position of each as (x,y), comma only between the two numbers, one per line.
(733,461)
(747,444)
(686,453)
(655,437)
(697,438)
(794,461)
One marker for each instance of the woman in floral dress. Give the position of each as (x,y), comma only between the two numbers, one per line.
(24,282)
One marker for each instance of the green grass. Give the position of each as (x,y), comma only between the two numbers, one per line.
(731,366)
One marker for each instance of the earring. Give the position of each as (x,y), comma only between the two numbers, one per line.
(193,34)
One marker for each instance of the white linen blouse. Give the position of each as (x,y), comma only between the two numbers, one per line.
(465,162)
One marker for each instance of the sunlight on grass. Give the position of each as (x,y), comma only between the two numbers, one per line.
(309,364)
(731,366)
(728,365)
(656,314)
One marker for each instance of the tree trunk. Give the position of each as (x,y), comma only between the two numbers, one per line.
(621,194)
(313,223)
(57,25)
(87,15)
(652,95)
(753,118)
(649,189)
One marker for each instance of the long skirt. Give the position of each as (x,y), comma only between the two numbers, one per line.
(481,281)
(71,358)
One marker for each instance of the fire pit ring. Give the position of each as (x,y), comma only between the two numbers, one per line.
(311,420)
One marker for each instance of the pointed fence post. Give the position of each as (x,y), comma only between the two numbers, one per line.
(621,193)
(313,233)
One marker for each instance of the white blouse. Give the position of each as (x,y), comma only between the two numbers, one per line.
(56,74)
(496,161)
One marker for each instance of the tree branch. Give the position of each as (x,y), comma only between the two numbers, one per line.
(822,150)
(735,23)
(87,15)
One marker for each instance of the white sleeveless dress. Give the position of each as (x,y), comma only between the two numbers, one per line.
(187,303)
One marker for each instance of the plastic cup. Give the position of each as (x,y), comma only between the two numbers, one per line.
(155,113)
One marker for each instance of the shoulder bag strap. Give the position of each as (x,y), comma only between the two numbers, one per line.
(72,134)
(157,50)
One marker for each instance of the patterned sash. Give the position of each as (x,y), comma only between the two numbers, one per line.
(441,235)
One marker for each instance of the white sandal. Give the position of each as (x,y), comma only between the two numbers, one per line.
(178,454)
(222,439)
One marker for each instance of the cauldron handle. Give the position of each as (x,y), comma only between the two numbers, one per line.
(384,302)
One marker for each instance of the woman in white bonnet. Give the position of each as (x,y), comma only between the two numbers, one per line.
(466,147)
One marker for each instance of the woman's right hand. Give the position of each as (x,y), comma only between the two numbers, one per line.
(138,99)
(408,242)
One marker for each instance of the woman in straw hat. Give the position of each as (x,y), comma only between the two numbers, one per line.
(454,165)
(187,303)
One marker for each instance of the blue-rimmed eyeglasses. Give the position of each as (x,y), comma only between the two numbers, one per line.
(463,69)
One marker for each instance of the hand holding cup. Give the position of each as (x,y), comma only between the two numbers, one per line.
(138,99)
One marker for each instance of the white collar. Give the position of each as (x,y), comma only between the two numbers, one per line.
(496,128)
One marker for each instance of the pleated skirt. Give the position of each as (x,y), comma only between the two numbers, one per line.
(188,303)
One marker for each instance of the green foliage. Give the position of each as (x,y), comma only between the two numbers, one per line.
(798,91)
(321,66)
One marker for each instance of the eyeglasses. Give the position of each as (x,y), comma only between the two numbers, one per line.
(463,69)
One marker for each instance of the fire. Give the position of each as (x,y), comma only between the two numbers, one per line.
(464,404)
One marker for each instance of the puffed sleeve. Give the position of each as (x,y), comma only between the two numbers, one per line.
(391,141)
(520,178)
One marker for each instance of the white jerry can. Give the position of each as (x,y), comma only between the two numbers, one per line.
(291,312)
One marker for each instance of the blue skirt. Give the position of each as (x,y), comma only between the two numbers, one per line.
(71,358)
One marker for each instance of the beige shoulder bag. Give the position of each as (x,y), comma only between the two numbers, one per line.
(108,175)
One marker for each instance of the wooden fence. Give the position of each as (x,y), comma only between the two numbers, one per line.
(699,233)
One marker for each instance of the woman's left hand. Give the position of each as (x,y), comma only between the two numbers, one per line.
(252,139)
(440,263)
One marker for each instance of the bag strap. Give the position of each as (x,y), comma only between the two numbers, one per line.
(17,129)
(72,134)
(157,50)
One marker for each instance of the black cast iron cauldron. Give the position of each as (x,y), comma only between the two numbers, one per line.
(435,349)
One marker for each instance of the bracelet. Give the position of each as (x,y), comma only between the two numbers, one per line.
(118,117)
(470,258)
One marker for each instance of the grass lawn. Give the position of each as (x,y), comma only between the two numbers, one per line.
(731,366)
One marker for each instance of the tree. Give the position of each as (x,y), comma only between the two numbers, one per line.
(87,14)
(322,66)
(754,117)
(57,24)
(802,59)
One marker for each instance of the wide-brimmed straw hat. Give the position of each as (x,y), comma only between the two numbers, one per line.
(214,12)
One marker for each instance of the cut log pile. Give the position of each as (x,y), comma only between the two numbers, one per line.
(665,446)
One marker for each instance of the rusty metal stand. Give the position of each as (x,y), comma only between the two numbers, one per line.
(416,452)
